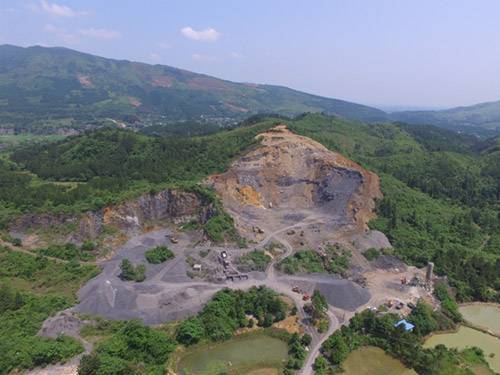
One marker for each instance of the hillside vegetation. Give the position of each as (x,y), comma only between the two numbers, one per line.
(481,119)
(32,288)
(441,190)
(44,90)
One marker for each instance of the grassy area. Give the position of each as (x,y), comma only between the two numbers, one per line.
(68,251)
(256,260)
(369,360)
(334,260)
(32,288)
(43,276)
(21,316)
(159,254)
(132,349)
(303,261)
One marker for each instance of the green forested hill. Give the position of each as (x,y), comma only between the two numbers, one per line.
(441,189)
(45,89)
(482,119)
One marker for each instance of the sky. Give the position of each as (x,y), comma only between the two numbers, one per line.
(388,53)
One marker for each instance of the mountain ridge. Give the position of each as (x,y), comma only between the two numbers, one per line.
(60,90)
(57,87)
(480,118)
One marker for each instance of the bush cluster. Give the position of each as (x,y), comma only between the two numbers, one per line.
(159,254)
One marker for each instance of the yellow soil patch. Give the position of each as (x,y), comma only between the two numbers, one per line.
(289,302)
(269,254)
(290,324)
(247,195)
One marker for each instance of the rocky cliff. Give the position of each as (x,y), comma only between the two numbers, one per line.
(166,206)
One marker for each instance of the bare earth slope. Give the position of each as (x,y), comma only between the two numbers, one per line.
(288,178)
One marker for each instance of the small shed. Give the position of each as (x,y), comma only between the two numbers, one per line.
(197,267)
(406,325)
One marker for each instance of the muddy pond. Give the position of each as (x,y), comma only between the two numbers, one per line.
(483,315)
(236,356)
(487,316)
(370,360)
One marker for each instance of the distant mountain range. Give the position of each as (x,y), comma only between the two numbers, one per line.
(49,90)
(483,117)
(57,87)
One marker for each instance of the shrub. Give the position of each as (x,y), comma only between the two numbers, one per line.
(159,255)
(190,331)
(16,242)
(256,260)
(133,349)
(371,254)
(131,273)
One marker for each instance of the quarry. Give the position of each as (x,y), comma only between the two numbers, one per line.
(286,194)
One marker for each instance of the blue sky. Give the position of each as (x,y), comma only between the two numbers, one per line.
(411,53)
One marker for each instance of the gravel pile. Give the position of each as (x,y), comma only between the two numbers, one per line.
(344,294)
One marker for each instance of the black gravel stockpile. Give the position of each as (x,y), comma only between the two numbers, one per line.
(344,294)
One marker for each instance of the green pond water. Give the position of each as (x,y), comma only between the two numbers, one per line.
(483,315)
(370,360)
(466,337)
(236,356)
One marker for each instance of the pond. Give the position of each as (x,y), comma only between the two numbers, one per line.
(369,360)
(487,316)
(466,337)
(237,356)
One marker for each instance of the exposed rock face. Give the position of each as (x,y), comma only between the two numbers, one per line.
(173,205)
(168,205)
(293,176)
(65,322)
(370,239)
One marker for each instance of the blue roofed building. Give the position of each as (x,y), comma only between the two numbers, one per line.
(406,325)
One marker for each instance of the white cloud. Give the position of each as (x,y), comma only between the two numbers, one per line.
(201,57)
(59,10)
(207,35)
(61,33)
(164,45)
(154,57)
(100,33)
(74,37)
(235,55)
